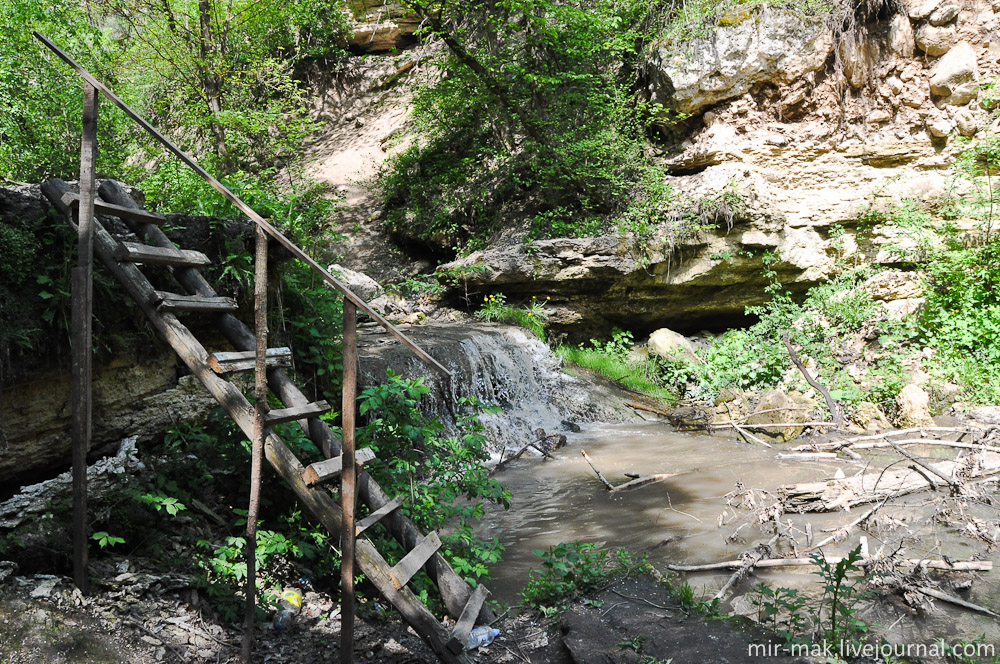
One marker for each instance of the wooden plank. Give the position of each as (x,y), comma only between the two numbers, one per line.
(282,415)
(231,362)
(460,633)
(348,482)
(133,252)
(82,289)
(174,302)
(321,471)
(415,559)
(378,514)
(112,210)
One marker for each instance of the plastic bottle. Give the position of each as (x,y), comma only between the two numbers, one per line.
(481,637)
(288,608)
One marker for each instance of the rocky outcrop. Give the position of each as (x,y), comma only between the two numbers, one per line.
(914,408)
(773,45)
(131,398)
(381,27)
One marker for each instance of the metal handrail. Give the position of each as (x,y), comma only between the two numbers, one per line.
(246,209)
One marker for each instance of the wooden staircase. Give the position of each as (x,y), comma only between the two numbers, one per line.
(163,309)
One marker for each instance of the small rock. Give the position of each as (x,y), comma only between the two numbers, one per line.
(901,36)
(940,127)
(986,414)
(943,15)
(870,417)
(966,123)
(151,640)
(921,9)
(895,85)
(914,408)
(359,123)
(879,115)
(44,589)
(933,40)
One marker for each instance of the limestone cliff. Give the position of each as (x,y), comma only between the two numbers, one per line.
(794,130)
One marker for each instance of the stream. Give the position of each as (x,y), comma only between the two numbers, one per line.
(678,521)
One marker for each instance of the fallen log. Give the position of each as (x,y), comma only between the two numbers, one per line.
(943,565)
(933,442)
(807,456)
(871,487)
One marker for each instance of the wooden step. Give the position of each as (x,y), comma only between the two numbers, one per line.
(414,560)
(467,620)
(321,471)
(108,209)
(283,415)
(133,252)
(173,303)
(231,362)
(376,516)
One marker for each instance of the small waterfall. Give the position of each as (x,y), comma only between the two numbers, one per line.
(502,365)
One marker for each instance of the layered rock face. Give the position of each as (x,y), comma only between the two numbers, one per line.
(795,135)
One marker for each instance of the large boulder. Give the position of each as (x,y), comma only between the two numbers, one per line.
(381,27)
(776,407)
(934,40)
(670,345)
(901,36)
(953,78)
(914,408)
(773,45)
(361,284)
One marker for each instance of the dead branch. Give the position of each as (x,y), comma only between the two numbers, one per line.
(750,560)
(838,418)
(807,456)
(944,597)
(943,565)
(642,481)
(600,475)
(870,487)
(843,532)
(926,466)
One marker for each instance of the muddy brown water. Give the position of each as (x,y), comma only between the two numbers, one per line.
(678,520)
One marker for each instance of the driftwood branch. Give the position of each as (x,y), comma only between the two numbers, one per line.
(944,597)
(838,418)
(750,560)
(943,565)
(926,466)
(600,475)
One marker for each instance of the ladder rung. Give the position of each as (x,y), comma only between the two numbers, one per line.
(414,560)
(173,302)
(231,362)
(460,634)
(108,209)
(283,415)
(377,515)
(321,471)
(133,252)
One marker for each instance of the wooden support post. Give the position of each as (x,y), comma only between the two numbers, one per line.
(82,307)
(257,453)
(347,484)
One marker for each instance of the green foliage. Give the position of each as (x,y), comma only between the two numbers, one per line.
(568,570)
(781,610)
(534,115)
(532,316)
(104,540)
(843,595)
(443,477)
(659,378)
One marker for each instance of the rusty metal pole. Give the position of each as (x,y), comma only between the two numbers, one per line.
(82,312)
(348,479)
(257,450)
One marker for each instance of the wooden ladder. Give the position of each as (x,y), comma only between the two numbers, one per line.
(213,370)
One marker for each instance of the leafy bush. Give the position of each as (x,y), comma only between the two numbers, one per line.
(443,477)
(532,316)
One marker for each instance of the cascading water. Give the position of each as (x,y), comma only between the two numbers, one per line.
(501,365)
